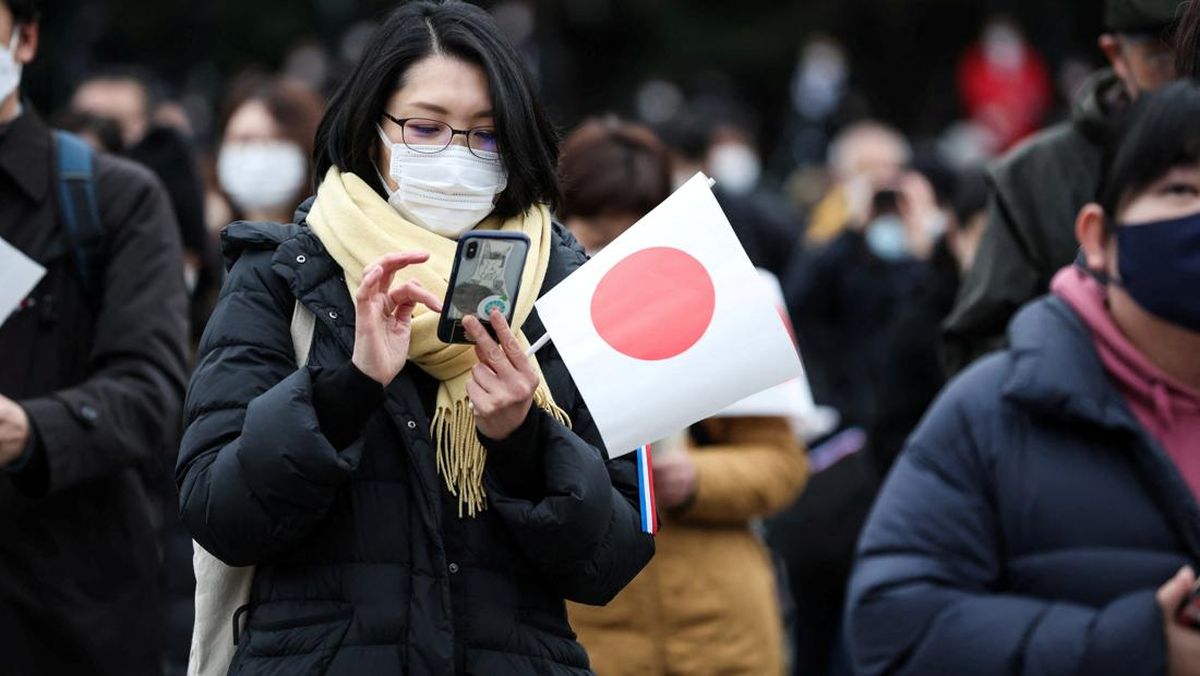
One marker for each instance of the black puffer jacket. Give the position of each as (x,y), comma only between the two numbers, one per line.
(363,565)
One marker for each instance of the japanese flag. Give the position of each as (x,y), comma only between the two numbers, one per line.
(668,324)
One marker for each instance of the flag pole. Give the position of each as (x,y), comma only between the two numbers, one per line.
(537,345)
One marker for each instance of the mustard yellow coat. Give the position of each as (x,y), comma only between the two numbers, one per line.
(707,603)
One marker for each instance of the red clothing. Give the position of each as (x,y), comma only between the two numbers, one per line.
(1010,103)
(1168,409)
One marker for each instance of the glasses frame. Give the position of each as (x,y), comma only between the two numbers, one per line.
(401,121)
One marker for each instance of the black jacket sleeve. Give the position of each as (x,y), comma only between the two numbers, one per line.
(255,472)
(127,410)
(573,513)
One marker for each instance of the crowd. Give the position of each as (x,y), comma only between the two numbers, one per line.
(231,440)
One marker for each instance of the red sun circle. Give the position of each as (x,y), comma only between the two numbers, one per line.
(654,304)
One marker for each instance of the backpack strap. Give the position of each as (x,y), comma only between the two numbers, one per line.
(79,210)
(304,326)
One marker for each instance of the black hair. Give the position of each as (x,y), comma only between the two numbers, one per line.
(1160,131)
(23,11)
(528,144)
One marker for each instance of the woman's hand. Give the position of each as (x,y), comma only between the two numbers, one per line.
(383,322)
(675,480)
(503,382)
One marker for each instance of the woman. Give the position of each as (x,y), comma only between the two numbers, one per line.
(412,507)
(1040,517)
(263,163)
(708,603)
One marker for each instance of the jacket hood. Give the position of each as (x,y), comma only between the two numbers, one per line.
(1057,371)
(1100,100)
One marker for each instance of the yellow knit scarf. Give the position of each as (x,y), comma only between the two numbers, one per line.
(357,227)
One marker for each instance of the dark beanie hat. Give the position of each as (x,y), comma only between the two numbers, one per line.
(1139,16)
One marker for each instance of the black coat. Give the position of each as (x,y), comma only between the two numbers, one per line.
(363,564)
(1027,525)
(102,381)
(1036,191)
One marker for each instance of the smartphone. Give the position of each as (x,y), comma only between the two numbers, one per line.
(486,276)
(885,201)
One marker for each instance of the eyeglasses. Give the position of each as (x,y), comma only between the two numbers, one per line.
(432,136)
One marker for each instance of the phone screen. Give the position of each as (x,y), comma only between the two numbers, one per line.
(487,276)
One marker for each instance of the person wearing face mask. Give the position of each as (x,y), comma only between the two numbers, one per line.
(409,506)
(711,481)
(612,173)
(263,160)
(1039,186)
(1043,518)
(92,373)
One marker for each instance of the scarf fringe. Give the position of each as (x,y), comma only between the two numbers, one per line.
(460,456)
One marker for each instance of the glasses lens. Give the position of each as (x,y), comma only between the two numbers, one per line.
(483,140)
(426,136)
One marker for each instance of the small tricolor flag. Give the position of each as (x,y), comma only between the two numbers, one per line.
(646,503)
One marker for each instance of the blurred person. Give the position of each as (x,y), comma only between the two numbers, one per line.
(850,301)
(263,164)
(90,392)
(410,506)
(864,158)
(687,612)
(1039,186)
(1039,517)
(125,95)
(1003,83)
(611,174)
(822,100)
(911,368)
(708,141)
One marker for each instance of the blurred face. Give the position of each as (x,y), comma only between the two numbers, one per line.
(439,88)
(19,43)
(876,158)
(1143,62)
(261,171)
(252,123)
(123,101)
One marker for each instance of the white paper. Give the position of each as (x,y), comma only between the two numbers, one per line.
(745,349)
(19,274)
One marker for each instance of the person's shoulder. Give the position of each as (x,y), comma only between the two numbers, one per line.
(118,175)
(970,410)
(566,256)
(1059,145)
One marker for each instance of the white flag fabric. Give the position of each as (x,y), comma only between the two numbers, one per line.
(668,324)
(19,274)
(792,400)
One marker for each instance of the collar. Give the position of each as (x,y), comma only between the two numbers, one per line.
(1057,371)
(25,155)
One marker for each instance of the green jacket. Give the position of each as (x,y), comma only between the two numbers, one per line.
(1036,193)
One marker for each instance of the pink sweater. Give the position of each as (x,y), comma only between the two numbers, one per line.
(1168,409)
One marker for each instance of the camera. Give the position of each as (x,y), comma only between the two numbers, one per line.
(472,249)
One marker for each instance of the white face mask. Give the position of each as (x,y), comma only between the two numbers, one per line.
(10,70)
(262,176)
(448,192)
(736,168)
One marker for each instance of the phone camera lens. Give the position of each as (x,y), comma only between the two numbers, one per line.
(472,249)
